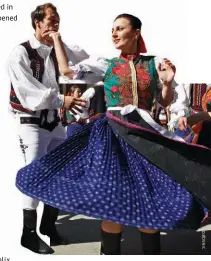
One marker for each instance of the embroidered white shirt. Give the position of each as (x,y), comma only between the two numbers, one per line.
(181,104)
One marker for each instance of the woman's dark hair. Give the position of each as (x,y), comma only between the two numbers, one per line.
(39,13)
(134,21)
(73,88)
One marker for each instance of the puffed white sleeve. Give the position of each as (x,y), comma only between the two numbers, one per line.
(96,66)
(75,54)
(32,94)
(83,65)
(180,104)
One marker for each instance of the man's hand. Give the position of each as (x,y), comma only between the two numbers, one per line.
(182,123)
(55,35)
(82,121)
(61,56)
(70,102)
(52,36)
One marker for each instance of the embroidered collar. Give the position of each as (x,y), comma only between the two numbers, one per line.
(129,57)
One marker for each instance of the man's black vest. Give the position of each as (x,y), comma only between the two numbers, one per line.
(37,66)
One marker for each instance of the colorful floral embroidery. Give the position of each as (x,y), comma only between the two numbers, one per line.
(118,81)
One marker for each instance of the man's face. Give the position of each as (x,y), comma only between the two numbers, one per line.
(49,23)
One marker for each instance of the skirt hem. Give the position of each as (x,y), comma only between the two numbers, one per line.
(104,217)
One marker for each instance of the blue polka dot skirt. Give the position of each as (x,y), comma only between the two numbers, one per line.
(96,173)
(73,128)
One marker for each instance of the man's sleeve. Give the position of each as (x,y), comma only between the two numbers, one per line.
(181,103)
(32,94)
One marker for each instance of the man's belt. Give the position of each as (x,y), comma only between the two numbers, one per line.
(45,125)
(29,120)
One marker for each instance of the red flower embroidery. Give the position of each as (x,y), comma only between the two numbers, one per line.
(114,89)
(120,69)
(115,70)
(143,75)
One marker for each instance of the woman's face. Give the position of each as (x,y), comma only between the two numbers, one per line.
(124,36)
(77,93)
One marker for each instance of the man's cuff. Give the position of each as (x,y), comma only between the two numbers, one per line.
(60,100)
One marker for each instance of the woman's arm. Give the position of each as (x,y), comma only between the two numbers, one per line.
(166,96)
(61,55)
(95,65)
(166,72)
(200,116)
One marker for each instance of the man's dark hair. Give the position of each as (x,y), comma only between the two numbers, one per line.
(134,21)
(39,13)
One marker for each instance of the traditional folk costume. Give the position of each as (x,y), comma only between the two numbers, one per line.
(187,102)
(132,183)
(190,100)
(123,166)
(35,102)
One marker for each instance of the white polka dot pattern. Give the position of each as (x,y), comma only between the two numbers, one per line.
(96,173)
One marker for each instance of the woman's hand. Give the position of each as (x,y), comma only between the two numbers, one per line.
(182,123)
(166,71)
